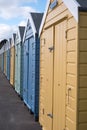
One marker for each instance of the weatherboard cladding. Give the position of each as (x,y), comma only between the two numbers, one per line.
(8,64)
(8,59)
(2,59)
(76,66)
(12,65)
(21,29)
(18,55)
(72,5)
(31,63)
(12,59)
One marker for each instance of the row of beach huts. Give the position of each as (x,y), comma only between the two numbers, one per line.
(46,63)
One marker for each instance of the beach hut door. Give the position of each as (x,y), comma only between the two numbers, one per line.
(59,77)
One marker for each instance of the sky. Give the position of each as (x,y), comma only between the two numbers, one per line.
(14,13)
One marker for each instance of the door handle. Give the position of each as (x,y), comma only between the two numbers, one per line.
(50,115)
(51,48)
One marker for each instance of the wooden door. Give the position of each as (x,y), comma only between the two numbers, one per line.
(31,75)
(25,71)
(16,70)
(59,77)
(12,66)
(48,79)
(19,61)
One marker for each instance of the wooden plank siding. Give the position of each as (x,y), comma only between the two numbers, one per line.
(55,16)
(82,92)
(42,80)
(12,66)
(5,62)
(71,72)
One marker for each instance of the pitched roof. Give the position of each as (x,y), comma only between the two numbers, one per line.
(14,37)
(21,30)
(4,41)
(37,18)
(73,5)
(82,3)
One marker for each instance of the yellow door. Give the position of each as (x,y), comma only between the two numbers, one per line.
(59,77)
(12,66)
(46,79)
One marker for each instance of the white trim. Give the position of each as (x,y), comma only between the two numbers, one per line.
(44,17)
(32,26)
(25,30)
(72,5)
(18,36)
(12,41)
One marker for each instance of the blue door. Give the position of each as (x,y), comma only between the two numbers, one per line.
(25,71)
(31,72)
(21,73)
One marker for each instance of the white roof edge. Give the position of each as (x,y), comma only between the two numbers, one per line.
(44,16)
(72,5)
(4,48)
(32,25)
(12,41)
(25,30)
(18,32)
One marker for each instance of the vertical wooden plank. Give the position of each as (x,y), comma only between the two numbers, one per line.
(59,77)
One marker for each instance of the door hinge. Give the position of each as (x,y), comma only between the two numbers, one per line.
(51,48)
(66,34)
